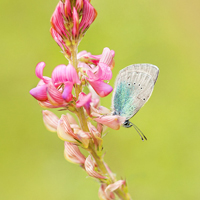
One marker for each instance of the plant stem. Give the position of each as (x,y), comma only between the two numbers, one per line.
(83,122)
(81,114)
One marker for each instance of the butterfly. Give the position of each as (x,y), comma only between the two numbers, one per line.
(133,87)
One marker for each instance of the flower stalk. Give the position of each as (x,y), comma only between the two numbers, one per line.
(70,21)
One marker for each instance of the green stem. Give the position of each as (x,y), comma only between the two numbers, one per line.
(83,122)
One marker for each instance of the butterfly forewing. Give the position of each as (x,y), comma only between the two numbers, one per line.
(133,87)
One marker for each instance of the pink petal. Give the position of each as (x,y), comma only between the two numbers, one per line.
(103,110)
(94,77)
(93,130)
(89,15)
(47,104)
(107,56)
(95,103)
(89,166)
(81,54)
(100,128)
(67,93)
(73,154)
(63,134)
(95,96)
(68,12)
(54,96)
(72,75)
(39,92)
(104,72)
(79,5)
(59,74)
(57,21)
(102,194)
(71,120)
(113,122)
(83,99)
(101,88)
(60,41)
(84,138)
(39,70)
(75,29)
(114,186)
(64,130)
(50,120)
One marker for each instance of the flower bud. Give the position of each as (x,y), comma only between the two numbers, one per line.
(90,169)
(73,154)
(50,120)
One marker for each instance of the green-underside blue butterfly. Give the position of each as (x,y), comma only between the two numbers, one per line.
(133,87)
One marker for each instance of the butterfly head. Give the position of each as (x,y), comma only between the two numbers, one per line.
(127,124)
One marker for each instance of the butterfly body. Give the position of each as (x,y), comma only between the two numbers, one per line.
(133,87)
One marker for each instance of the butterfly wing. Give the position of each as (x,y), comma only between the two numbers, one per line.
(133,87)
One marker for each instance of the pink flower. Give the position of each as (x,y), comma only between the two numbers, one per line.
(57,21)
(39,92)
(72,75)
(96,135)
(112,187)
(50,120)
(67,8)
(60,42)
(63,73)
(101,88)
(71,120)
(55,96)
(73,154)
(75,30)
(79,5)
(113,122)
(89,15)
(67,93)
(47,104)
(107,56)
(103,195)
(63,17)
(84,100)
(65,132)
(90,169)
(84,138)
(106,192)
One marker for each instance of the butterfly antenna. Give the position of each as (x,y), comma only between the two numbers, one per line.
(142,136)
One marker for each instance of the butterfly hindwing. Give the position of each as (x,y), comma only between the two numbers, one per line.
(133,87)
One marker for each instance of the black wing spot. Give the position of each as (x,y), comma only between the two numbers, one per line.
(144,99)
(141,88)
(134,83)
(139,84)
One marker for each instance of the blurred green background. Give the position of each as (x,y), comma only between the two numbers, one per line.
(164,33)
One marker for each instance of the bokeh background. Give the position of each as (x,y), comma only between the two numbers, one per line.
(164,33)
